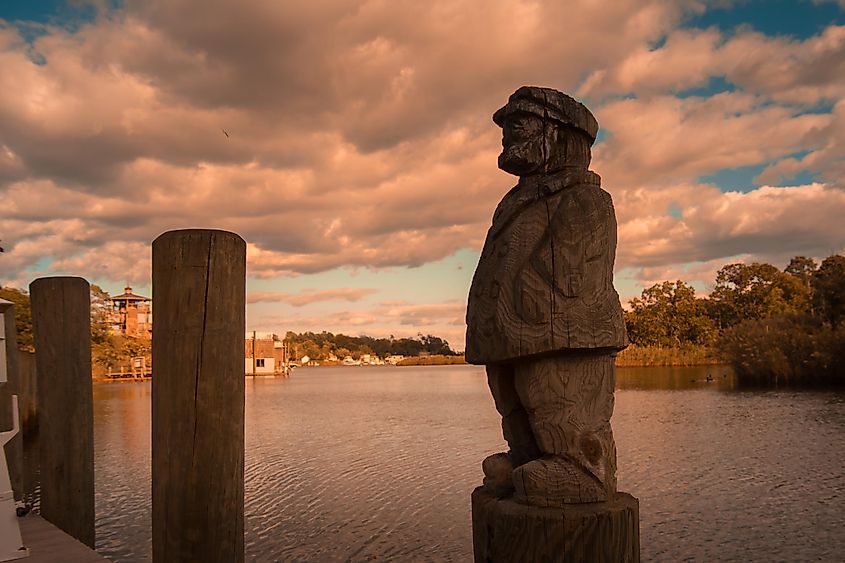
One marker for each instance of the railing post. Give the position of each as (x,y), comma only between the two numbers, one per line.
(61,322)
(10,362)
(199,283)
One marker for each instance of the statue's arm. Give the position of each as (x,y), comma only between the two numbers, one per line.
(576,237)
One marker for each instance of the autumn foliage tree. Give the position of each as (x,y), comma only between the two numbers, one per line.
(829,290)
(756,291)
(669,314)
(797,335)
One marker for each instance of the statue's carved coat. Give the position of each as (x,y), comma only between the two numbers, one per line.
(544,282)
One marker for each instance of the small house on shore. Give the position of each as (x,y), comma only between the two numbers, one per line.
(264,354)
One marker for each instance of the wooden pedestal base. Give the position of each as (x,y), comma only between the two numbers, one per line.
(504,531)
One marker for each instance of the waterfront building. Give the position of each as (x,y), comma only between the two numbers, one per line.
(264,354)
(131,315)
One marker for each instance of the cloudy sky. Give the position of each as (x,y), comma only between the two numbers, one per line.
(359,157)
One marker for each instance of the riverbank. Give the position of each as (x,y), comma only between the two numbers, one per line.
(633,356)
(652,356)
(433,360)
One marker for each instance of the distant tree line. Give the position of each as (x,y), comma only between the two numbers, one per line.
(772,326)
(322,345)
(113,350)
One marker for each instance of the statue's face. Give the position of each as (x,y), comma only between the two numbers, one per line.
(522,142)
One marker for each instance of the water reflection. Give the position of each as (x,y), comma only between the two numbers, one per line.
(353,464)
(676,378)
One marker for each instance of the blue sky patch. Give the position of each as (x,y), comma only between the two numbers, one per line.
(820,108)
(31,17)
(739,179)
(801,179)
(41,11)
(674,210)
(53,12)
(601,135)
(716,85)
(796,18)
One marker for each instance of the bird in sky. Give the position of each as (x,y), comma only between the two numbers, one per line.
(224,132)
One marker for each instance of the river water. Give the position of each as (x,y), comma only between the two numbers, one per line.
(360,464)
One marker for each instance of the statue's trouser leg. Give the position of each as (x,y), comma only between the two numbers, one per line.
(515,428)
(515,425)
(569,401)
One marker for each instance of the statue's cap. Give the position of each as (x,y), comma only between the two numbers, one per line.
(546,102)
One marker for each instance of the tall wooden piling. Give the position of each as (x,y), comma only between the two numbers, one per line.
(199,284)
(61,322)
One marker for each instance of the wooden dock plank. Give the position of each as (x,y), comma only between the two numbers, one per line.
(48,544)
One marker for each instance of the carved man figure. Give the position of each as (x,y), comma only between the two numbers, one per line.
(543,315)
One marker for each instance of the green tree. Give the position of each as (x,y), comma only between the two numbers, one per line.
(100,315)
(23,316)
(669,314)
(829,290)
(436,345)
(756,291)
(343,352)
(361,351)
(802,268)
(132,346)
(311,349)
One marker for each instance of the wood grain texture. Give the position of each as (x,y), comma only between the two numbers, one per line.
(199,279)
(504,531)
(569,402)
(516,427)
(61,322)
(544,282)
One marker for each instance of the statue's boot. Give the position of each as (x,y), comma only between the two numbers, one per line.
(554,481)
(498,473)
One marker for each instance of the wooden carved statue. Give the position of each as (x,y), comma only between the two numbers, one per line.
(543,315)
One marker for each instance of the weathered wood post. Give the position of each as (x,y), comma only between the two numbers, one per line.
(199,284)
(61,322)
(544,318)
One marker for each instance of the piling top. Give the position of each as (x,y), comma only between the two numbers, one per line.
(53,283)
(68,279)
(187,232)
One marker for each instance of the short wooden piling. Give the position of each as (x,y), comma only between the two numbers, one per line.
(199,283)
(504,531)
(61,322)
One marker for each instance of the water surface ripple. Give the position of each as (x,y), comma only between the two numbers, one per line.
(360,464)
